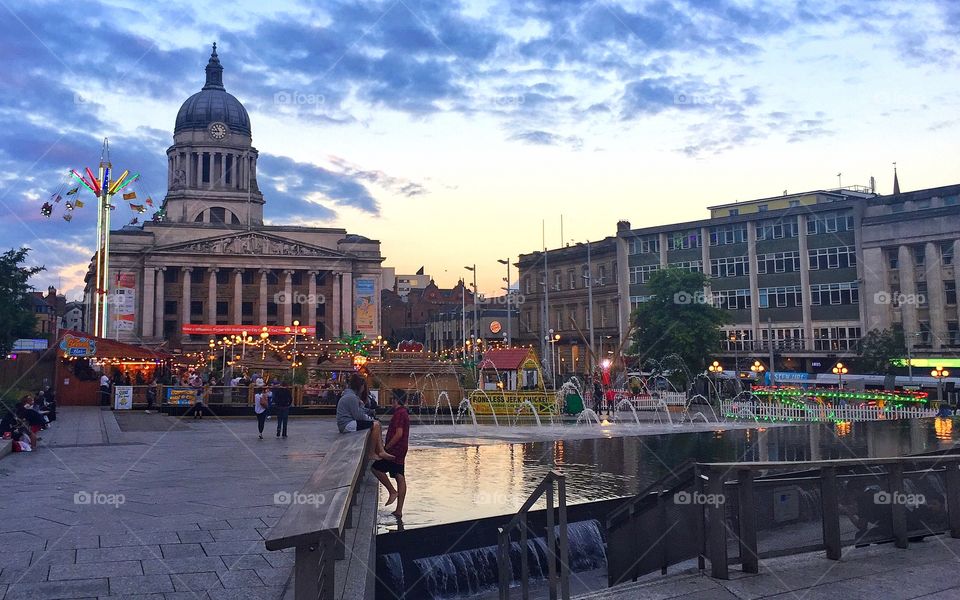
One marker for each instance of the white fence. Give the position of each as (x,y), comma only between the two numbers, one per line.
(652,400)
(821,412)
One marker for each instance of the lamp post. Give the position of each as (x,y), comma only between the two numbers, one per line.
(506,261)
(839,370)
(716,369)
(736,354)
(757,368)
(264,334)
(588,281)
(243,349)
(296,330)
(476,333)
(939,373)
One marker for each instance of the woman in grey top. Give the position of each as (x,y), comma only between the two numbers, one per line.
(352,417)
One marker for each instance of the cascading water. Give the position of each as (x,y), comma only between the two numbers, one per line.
(616,410)
(472,571)
(393,565)
(490,404)
(533,409)
(587,415)
(466,405)
(440,397)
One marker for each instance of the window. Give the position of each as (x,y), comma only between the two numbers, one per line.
(273,278)
(272,309)
(645,245)
(899,207)
(684,240)
(775,230)
(732,299)
(602,275)
(689,265)
(762,208)
(171,274)
(925,333)
(953,333)
(737,339)
(728,234)
(572,278)
(893,258)
(636,301)
(950,200)
(223,276)
(222,308)
(921,204)
(296,278)
(778,262)
(556,280)
(793,203)
(642,273)
(829,222)
(246,309)
(527,289)
(922,293)
(950,290)
(296,310)
(780,296)
(196,307)
(170,307)
(919,256)
(246,277)
(734,212)
(840,257)
(735,266)
(783,338)
(196,276)
(834,293)
(836,338)
(946,253)
(218,214)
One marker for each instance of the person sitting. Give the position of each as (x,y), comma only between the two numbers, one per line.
(28,415)
(351,417)
(21,443)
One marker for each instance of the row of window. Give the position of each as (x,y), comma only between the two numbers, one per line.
(834,293)
(640,274)
(785,262)
(247,276)
(171,308)
(919,254)
(736,233)
(780,297)
(733,266)
(695,266)
(574,280)
(793,338)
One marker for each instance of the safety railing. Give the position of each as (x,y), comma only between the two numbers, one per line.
(821,412)
(558,573)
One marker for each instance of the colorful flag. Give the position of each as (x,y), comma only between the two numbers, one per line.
(78,204)
(134,221)
(112,207)
(68,205)
(138,207)
(149,201)
(67,217)
(58,198)
(130,196)
(73,191)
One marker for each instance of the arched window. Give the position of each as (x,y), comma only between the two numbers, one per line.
(218,215)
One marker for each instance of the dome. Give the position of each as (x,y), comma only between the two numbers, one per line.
(213,104)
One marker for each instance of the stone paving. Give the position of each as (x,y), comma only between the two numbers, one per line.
(166,509)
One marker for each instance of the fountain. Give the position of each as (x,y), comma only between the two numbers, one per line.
(616,410)
(465,404)
(587,415)
(443,396)
(533,409)
(490,404)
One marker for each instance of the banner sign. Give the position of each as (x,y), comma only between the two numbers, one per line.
(252,330)
(365,306)
(27,345)
(180,395)
(790,376)
(122,397)
(123,301)
(78,346)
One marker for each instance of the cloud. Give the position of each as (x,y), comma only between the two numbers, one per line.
(545,138)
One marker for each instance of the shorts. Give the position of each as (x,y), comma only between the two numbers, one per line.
(355,426)
(388,466)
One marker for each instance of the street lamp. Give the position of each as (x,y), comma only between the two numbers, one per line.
(757,368)
(840,370)
(716,369)
(939,373)
(506,261)
(736,353)
(476,332)
(296,330)
(264,334)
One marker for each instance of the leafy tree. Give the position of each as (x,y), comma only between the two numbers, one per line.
(879,347)
(17,318)
(678,320)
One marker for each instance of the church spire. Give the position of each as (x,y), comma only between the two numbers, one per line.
(214,72)
(896,182)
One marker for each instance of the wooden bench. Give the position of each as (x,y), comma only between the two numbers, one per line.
(316,529)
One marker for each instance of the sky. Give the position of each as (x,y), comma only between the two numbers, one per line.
(456,133)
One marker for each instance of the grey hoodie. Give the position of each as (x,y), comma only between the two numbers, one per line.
(349,409)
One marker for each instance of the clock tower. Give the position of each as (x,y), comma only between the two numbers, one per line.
(212,164)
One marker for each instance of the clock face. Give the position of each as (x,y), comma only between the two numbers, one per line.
(218,131)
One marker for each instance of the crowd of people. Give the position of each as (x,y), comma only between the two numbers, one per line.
(31,415)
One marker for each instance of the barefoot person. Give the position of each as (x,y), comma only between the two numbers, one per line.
(398,436)
(351,417)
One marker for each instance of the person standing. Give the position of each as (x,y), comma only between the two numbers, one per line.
(398,438)
(282,399)
(260,408)
(104,390)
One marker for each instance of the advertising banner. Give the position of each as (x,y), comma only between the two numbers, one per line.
(180,395)
(123,302)
(365,306)
(252,330)
(79,347)
(123,397)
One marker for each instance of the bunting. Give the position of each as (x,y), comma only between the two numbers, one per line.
(73,191)
(139,208)
(130,196)
(78,204)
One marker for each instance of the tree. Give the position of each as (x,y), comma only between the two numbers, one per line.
(678,319)
(878,348)
(17,319)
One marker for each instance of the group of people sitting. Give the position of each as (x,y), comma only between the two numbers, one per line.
(30,416)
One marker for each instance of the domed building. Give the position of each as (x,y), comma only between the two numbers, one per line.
(211,267)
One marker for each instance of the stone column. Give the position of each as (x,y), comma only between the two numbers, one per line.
(159,303)
(956,271)
(805,282)
(936,299)
(212,295)
(754,286)
(335,302)
(237,296)
(287,312)
(705,259)
(189,169)
(312,300)
(346,301)
(263,297)
(908,289)
(875,294)
(149,293)
(185,296)
(663,251)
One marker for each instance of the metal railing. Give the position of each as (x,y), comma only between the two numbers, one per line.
(821,412)
(557,572)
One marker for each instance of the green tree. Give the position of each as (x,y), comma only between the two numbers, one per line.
(17,319)
(878,348)
(678,320)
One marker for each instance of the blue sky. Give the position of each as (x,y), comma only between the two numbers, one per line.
(451,130)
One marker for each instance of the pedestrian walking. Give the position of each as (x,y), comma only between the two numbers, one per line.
(260,408)
(282,399)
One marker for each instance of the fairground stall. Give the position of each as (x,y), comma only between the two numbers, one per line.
(510,382)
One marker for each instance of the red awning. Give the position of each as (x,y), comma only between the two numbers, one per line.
(111,348)
(504,359)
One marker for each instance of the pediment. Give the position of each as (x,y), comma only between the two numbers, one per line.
(250,244)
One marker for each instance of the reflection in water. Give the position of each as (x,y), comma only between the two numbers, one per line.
(465,483)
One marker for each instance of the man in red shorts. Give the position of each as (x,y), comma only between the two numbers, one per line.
(398,436)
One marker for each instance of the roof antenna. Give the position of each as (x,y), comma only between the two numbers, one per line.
(840,180)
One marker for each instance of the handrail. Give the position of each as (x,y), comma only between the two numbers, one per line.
(680,474)
(315,520)
(519,521)
(838,462)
